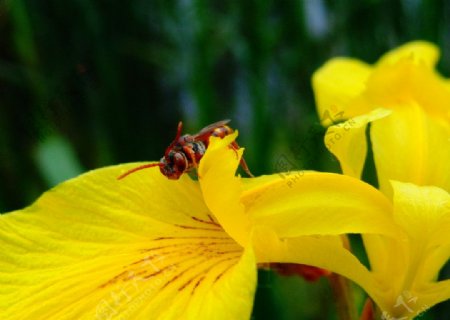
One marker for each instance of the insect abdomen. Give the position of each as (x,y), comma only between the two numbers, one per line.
(222,131)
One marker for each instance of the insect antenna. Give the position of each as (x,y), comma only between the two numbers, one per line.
(145,166)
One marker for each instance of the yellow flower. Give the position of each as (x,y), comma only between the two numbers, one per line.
(408,105)
(151,248)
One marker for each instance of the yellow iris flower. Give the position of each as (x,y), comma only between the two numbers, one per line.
(151,248)
(408,105)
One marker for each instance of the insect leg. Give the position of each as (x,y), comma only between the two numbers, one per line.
(191,154)
(243,164)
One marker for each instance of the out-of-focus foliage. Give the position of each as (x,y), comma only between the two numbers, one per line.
(84,84)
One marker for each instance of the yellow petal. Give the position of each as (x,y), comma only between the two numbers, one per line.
(336,85)
(143,247)
(347,141)
(410,146)
(222,189)
(231,297)
(318,204)
(409,268)
(388,261)
(435,293)
(420,51)
(322,252)
(411,303)
(424,214)
(408,80)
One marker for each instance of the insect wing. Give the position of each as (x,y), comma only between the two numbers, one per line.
(206,131)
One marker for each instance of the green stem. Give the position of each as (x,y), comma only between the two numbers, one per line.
(343,297)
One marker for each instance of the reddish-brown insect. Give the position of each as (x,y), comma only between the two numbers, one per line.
(185,152)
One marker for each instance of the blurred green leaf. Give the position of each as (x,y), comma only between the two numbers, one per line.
(57,161)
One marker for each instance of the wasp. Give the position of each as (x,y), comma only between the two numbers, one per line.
(186,151)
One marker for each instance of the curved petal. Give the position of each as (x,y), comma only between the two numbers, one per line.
(388,260)
(410,267)
(435,293)
(142,247)
(420,51)
(408,80)
(347,141)
(319,204)
(321,252)
(424,214)
(222,189)
(412,303)
(336,85)
(411,146)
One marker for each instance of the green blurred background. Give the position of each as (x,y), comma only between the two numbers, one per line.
(85,84)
